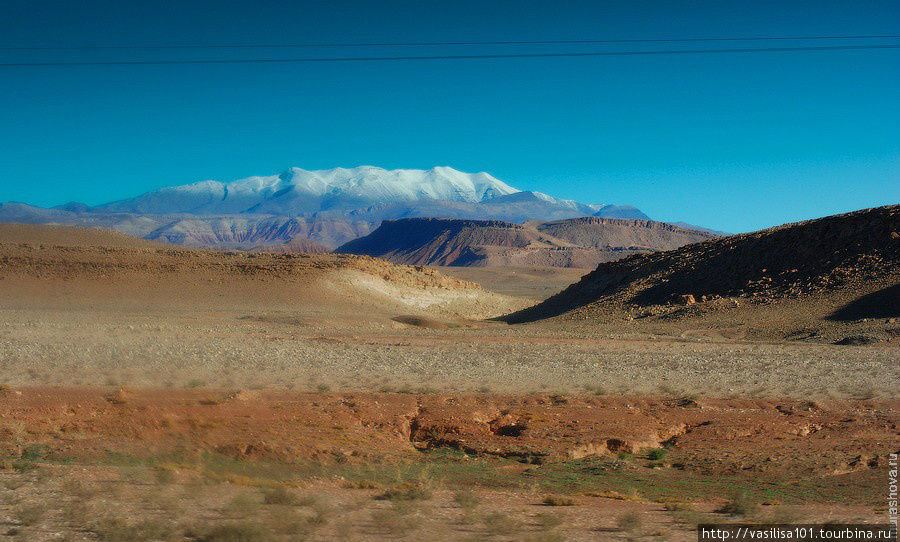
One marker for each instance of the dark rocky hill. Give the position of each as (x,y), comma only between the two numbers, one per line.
(850,253)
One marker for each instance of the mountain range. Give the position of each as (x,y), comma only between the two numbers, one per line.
(327,207)
(575,242)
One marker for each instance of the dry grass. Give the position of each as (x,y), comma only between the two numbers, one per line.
(113,529)
(629,522)
(235,532)
(278,495)
(501,523)
(466,499)
(558,500)
(546,521)
(406,492)
(741,504)
(396,519)
(242,506)
(30,514)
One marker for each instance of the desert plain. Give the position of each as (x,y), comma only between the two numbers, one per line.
(154,392)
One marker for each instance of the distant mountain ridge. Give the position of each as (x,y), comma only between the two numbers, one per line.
(329,207)
(577,242)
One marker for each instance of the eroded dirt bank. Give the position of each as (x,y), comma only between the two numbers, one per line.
(707,435)
(206,465)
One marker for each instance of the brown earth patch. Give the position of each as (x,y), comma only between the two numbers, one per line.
(711,436)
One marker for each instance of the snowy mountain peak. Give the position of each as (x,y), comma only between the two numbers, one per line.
(366,193)
(298,190)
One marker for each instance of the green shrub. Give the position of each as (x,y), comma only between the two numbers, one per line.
(657,454)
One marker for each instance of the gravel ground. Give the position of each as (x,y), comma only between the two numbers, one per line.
(228,349)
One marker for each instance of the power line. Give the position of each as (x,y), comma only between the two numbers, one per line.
(446,57)
(446,43)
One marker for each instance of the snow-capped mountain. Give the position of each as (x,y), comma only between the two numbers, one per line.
(329,206)
(298,191)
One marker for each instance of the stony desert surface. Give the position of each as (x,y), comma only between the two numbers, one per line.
(151,392)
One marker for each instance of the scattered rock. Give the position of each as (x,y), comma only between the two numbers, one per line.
(857,340)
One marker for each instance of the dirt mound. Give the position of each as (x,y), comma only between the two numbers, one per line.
(855,252)
(576,243)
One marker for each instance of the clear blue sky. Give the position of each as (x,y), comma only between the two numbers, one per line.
(735,142)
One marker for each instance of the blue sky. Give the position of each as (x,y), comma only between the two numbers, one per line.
(734,142)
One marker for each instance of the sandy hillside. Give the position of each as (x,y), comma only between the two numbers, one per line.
(69,267)
(30,234)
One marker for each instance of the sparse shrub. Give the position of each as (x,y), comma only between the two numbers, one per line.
(116,530)
(361,484)
(296,528)
(321,513)
(278,495)
(780,516)
(557,500)
(164,475)
(323,388)
(675,506)
(393,520)
(741,504)
(596,390)
(629,522)
(466,499)
(242,506)
(548,521)
(195,383)
(406,492)
(76,488)
(30,514)
(295,524)
(484,389)
(657,454)
(690,518)
(498,523)
(35,452)
(236,532)
(546,537)
(308,500)
(75,512)
(631,495)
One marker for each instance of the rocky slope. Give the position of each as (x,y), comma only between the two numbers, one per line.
(579,243)
(841,267)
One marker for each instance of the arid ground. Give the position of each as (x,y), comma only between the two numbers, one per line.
(149,392)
